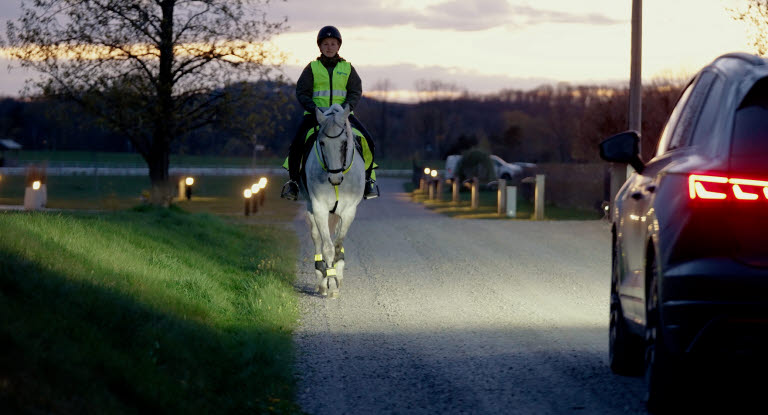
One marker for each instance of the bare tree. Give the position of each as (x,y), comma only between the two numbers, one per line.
(153,69)
(755,13)
(383,86)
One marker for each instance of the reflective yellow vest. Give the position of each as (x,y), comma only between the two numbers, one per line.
(321,90)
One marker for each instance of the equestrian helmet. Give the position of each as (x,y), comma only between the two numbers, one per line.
(326,32)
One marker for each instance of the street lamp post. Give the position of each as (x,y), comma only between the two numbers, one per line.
(619,173)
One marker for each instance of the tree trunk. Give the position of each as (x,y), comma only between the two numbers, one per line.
(159,155)
(159,161)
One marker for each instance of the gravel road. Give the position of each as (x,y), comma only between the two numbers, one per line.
(446,316)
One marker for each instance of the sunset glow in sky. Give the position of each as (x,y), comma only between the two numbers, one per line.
(488,45)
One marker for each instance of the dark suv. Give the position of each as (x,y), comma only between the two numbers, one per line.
(690,231)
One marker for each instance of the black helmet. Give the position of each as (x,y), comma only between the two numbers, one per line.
(328,31)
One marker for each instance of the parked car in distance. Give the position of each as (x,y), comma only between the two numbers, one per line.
(503,169)
(690,233)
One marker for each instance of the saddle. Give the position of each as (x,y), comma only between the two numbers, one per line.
(361,146)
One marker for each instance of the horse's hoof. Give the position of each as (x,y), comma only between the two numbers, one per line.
(322,287)
(333,294)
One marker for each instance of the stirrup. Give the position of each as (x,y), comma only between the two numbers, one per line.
(290,190)
(371,189)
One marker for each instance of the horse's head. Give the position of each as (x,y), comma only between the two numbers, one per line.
(335,142)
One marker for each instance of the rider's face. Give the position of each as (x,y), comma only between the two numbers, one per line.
(329,46)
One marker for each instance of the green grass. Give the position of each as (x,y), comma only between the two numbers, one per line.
(487,208)
(145,311)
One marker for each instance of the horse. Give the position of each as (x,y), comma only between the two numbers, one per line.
(333,186)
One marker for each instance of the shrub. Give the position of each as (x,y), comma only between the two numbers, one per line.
(476,163)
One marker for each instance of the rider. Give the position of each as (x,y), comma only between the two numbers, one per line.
(329,79)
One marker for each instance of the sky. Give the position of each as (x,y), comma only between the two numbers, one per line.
(484,46)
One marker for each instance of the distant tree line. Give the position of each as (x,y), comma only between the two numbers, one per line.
(560,123)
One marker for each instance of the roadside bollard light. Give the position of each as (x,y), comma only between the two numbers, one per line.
(247,194)
(35,196)
(501,197)
(538,208)
(455,190)
(432,184)
(439,189)
(423,180)
(188,187)
(263,194)
(255,197)
(36,191)
(538,195)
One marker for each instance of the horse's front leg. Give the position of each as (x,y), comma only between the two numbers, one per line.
(328,280)
(322,286)
(342,228)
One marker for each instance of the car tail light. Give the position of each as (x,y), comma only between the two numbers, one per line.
(719,187)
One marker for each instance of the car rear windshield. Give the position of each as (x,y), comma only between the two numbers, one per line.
(750,130)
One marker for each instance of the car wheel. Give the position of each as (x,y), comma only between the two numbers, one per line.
(660,374)
(625,351)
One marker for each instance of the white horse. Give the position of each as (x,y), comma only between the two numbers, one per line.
(333,186)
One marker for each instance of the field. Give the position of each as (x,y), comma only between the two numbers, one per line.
(211,194)
(104,159)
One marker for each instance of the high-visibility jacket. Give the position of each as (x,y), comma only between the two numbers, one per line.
(327,91)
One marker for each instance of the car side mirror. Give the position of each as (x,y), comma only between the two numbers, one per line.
(623,148)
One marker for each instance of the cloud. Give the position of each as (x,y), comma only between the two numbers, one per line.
(305,15)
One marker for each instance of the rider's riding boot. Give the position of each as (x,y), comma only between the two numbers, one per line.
(371,189)
(290,190)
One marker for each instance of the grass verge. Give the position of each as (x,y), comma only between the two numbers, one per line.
(145,311)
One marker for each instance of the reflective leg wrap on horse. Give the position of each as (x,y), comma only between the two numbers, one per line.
(323,268)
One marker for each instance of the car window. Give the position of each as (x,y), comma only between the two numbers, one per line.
(750,127)
(681,136)
(713,108)
(666,134)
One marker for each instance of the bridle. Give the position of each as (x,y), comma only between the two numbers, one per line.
(319,149)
